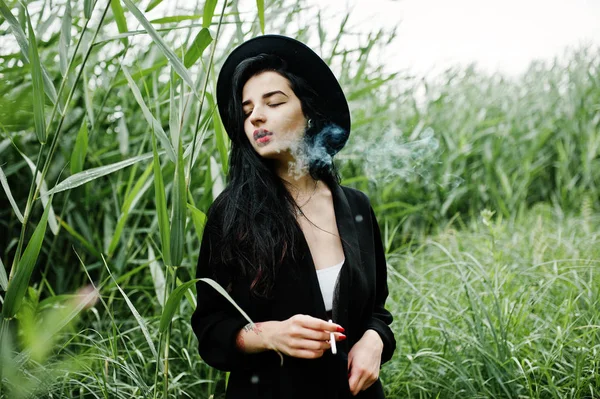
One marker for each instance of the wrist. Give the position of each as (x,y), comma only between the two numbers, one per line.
(268,329)
(374,339)
(255,337)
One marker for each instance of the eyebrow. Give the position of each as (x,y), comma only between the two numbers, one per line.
(266,95)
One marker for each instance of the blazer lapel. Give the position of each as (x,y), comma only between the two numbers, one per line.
(345,218)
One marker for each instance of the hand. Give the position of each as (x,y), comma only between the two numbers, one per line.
(303,336)
(364,361)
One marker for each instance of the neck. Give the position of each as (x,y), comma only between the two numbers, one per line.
(296,179)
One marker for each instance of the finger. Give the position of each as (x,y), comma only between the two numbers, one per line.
(306,354)
(311,345)
(339,336)
(319,335)
(368,383)
(316,335)
(352,383)
(319,324)
(360,385)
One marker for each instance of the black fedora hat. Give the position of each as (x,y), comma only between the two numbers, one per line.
(301,61)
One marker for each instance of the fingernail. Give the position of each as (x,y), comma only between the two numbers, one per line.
(342,337)
(340,329)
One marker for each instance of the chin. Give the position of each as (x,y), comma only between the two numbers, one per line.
(274,153)
(270,154)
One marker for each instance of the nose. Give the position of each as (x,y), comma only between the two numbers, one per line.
(257,116)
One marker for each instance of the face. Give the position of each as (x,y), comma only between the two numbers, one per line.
(274,122)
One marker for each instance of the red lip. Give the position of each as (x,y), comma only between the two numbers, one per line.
(261,132)
(263,139)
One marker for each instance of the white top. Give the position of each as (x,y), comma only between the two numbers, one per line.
(327,278)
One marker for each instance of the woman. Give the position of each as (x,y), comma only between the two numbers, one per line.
(299,253)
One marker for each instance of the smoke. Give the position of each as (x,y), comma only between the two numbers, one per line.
(385,159)
(393,157)
(323,144)
(316,150)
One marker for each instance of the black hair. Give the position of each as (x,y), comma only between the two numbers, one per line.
(258,227)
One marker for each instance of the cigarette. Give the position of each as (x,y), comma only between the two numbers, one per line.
(332,341)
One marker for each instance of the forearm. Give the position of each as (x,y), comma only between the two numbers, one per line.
(255,338)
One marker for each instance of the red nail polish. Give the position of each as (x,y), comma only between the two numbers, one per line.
(340,329)
(342,337)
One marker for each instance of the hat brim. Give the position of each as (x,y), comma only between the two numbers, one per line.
(301,61)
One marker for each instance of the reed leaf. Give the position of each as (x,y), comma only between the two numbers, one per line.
(217,180)
(153,4)
(19,34)
(119,14)
(260,6)
(9,195)
(173,59)
(65,38)
(3,277)
(89,175)
(123,137)
(173,304)
(224,293)
(130,201)
(174,110)
(220,135)
(43,193)
(209,11)
(200,43)
(87,96)
(38,90)
(88,7)
(135,313)
(79,238)
(16,29)
(159,65)
(20,281)
(158,277)
(156,126)
(199,220)
(161,207)
(194,147)
(179,205)
(80,150)
(175,18)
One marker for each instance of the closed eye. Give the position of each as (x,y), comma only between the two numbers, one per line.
(247,114)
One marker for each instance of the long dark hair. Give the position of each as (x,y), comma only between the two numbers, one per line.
(258,227)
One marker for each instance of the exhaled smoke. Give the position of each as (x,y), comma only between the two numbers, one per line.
(316,150)
(391,157)
(321,147)
(388,158)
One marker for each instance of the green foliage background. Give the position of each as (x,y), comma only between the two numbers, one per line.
(486,189)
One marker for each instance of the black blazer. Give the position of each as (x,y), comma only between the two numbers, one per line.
(359,304)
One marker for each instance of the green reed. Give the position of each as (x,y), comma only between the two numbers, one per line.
(499,309)
(129,152)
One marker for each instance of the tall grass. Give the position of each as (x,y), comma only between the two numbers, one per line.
(499,309)
(470,141)
(108,119)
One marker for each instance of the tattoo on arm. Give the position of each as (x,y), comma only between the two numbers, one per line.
(253,327)
(256,328)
